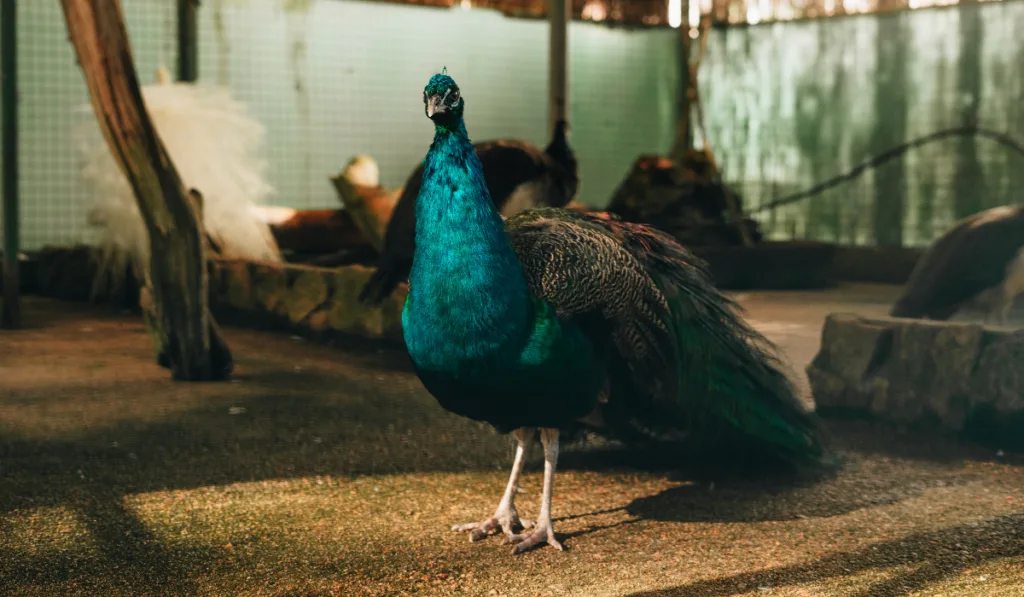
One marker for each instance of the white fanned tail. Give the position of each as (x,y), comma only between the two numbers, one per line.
(215,147)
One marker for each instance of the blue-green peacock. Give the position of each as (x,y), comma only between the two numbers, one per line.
(554,319)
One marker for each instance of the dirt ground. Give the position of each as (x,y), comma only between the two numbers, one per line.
(326,470)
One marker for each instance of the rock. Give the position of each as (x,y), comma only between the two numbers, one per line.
(314,299)
(318,321)
(998,378)
(847,347)
(689,202)
(235,288)
(391,311)
(307,292)
(270,286)
(346,314)
(918,372)
(307,298)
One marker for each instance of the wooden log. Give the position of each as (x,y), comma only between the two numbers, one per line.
(318,231)
(188,341)
(370,208)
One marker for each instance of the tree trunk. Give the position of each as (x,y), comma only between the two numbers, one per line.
(187,337)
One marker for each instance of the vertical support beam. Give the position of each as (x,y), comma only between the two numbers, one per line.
(188,41)
(559,12)
(684,109)
(10,318)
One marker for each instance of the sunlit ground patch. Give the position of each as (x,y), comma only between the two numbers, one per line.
(43,532)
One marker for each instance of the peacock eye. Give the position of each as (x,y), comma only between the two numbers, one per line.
(455,96)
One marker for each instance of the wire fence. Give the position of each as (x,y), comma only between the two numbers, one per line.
(787,104)
(54,101)
(793,104)
(330,79)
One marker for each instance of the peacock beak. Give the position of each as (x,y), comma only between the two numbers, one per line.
(435,106)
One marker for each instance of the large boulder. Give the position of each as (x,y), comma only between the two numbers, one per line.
(962,377)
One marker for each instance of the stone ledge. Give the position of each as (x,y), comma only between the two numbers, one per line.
(961,377)
(311,299)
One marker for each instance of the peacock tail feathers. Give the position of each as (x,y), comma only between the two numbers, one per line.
(686,369)
(733,398)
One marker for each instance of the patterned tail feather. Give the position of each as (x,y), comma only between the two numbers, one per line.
(735,396)
(732,402)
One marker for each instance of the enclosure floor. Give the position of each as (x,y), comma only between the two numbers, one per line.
(329,471)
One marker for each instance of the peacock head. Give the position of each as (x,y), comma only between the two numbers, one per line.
(442,101)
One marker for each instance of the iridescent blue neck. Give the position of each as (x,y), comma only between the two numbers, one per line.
(464,271)
(455,127)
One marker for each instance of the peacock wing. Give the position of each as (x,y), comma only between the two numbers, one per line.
(582,266)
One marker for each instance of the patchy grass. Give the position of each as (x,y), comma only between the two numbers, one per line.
(322,471)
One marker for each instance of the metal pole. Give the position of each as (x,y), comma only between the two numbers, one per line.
(558,79)
(11,316)
(188,41)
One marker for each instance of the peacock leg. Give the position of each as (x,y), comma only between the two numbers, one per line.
(543,531)
(505,517)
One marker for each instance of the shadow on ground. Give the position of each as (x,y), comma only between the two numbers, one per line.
(881,465)
(301,410)
(934,556)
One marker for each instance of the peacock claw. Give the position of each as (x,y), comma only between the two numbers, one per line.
(539,535)
(507,521)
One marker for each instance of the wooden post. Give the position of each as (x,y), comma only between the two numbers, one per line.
(11,316)
(189,342)
(684,124)
(559,13)
(188,41)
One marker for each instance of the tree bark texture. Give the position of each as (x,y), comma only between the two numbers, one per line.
(189,343)
(369,207)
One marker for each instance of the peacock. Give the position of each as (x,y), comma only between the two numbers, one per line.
(979,261)
(555,320)
(518,176)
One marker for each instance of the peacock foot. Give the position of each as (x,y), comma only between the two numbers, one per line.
(505,519)
(541,533)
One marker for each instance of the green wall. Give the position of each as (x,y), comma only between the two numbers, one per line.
(787,104)
(344,78)
(791,104)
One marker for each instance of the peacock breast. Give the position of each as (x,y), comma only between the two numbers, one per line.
(461,336)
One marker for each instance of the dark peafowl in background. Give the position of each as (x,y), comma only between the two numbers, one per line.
(518,176)
(979,261)
(554,319)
